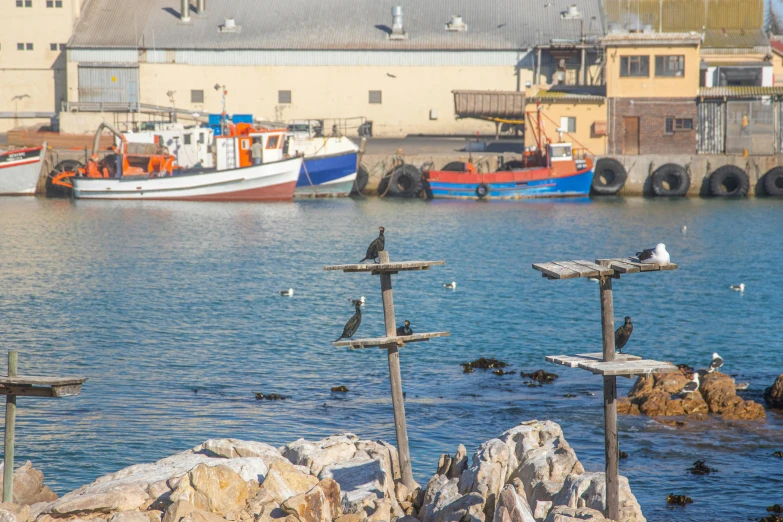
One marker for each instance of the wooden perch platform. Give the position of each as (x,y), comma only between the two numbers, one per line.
(35,386)
(601,267)
(385,341)
(377,268)
(624,365)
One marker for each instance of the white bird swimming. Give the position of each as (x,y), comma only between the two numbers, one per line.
(287,293)
(717,362)
(738,288)
(684,229)
(657,255)
(452,285)
(692,385)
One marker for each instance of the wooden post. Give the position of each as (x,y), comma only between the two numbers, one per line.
(396,377)
(610,404)
(10,425)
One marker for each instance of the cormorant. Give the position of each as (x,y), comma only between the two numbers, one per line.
(657,255)
(622,334)
(353,323)
(361,300)
(376,246)
(405,330)
(717,362)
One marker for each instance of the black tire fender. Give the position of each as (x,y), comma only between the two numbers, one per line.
(773,182)
(609,177)
(512,165)
(360,183)
(671,180)
(482,191)
(729,181)
(405,182)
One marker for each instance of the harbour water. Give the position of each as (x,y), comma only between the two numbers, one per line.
(171,310)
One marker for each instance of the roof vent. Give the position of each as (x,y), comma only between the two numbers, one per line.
(230,26)
(184,12)
(572,13)
(398,31)
(456,24)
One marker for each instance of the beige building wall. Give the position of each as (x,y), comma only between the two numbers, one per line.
(686,86)
(414,99)
(33,80)
(777,68)
(586,113)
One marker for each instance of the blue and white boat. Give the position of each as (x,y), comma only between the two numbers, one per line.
(330,162)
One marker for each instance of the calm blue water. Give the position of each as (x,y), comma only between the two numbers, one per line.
(153,300)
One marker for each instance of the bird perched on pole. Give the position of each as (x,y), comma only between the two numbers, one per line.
(353,323)
(622,334)
(406,329)
(657,255)
(717,362)
(376,246)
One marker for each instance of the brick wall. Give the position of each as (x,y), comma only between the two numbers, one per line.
(652,114)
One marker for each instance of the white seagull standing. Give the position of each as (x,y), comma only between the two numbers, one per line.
(452,285)
(692,385)
(287,293)
(738,288)
(657,255)
(717,362)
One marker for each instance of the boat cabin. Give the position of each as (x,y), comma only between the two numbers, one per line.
(191,146)
(235,148)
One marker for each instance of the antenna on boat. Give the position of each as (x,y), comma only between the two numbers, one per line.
(218,87)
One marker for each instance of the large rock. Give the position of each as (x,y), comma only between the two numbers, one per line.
(511,507)
(720,393)
(441,491)
(233,448)
(10,512)
(319,454)
(283,481)
(217,489)
(469,508)
(568,514)
(589,490)
(28,485)
(182,509)
(362,482)
(774,394)
(320,504)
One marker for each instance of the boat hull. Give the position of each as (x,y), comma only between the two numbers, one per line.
(574,185)
(20,170)
(323,176)
(267,182)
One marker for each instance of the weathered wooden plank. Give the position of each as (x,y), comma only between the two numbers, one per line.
(36,380)
(28,391)
(66,391)
(383,341)
(573,361)
(619,266)
(10,429)
(554,271)
(386,267)
(583,271)
(602,270)
(639,367)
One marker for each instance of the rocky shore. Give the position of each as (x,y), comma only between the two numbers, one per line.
(656,395)
(528,474)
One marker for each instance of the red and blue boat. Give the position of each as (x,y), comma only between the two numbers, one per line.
(552,170)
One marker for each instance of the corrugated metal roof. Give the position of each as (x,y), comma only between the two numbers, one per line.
(739,91)
(691,38)
(597,93)
(744,39)
(333,24)
(685,15)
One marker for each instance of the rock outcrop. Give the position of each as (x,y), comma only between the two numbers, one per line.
(657,395)
(528,474)
(28,485)
(773,395)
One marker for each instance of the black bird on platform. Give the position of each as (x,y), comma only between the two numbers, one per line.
(405,330)
(376,246)
(353,323)
(622,334)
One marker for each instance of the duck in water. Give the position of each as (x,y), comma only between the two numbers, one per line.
(376,246)
(353,323)
(406,329)
(622,334)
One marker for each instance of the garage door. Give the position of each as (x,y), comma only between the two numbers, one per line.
(103,84)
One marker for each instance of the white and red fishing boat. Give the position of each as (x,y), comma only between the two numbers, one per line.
(19,170)
(154,174)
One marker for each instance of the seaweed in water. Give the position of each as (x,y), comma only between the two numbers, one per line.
(501,372)
(540,376)
(342,389)
(623,455)
(678,500)
(777,508)
(483,364)
(271,396)
(778,454)
(700,468)
(771,518)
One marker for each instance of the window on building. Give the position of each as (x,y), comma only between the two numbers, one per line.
(49,3)
(670,66)
(197,96)
(186,139)
(28,3)
(283,96)
(376,97)
(62,47)
(29,46)
(19,3)
(638,66)
(673,125)
(52,47)
(58,3)
(568,123)
(20,47)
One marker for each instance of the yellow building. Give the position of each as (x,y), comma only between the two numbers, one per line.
(33,38)
(575,115)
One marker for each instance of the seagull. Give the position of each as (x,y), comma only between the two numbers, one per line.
(452,285)
(717,362)
(353,323)
(692,385)
(405,330)
(622,334)
(376,246)
(287,293)
(738,288)
(684,230)
(657,255)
